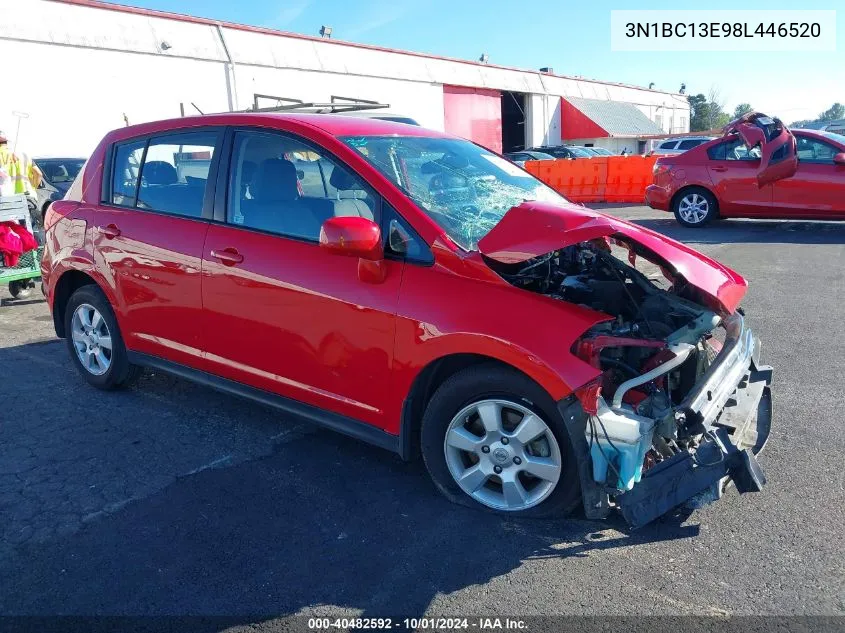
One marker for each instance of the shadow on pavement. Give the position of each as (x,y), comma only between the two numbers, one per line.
(15,303)
(322,521)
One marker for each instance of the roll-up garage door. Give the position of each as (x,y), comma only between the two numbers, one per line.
(474,113)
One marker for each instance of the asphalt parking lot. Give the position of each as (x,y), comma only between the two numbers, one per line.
(170,498)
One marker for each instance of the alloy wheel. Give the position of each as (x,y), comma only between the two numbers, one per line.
(502,454)
(91,339)
(693,208)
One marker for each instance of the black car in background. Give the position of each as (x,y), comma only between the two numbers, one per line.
(58,175)
(520,158)
(563,151)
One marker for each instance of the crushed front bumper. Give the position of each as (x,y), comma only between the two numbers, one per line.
(731,406)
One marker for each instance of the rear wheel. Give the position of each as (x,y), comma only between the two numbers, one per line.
(493,439)
(94,341)
(695,207)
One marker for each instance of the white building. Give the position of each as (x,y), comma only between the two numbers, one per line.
(93,67)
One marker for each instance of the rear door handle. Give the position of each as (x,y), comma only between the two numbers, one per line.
(719,168)
(109,231)
(228,256)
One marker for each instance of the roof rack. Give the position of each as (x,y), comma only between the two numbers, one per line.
(337,104)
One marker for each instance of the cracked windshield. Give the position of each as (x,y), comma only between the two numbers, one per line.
(462,186)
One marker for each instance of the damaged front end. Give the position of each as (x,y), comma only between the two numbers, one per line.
(656,446)
(680,405)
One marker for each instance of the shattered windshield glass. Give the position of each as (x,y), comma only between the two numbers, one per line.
(465,188)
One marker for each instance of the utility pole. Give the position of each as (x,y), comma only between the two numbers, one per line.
(19,115)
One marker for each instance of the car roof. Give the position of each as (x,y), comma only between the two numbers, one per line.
(822,135)
(688,138)
(332,124)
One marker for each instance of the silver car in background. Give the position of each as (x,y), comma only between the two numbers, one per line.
(674,146)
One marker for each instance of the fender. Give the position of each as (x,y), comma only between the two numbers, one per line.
(527,331)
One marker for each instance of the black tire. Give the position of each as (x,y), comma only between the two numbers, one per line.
(120,372)
(493,381)
(43,215)
(21,289)
(708,204)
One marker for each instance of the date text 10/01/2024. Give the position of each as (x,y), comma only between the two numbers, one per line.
(722,30)
(418,624)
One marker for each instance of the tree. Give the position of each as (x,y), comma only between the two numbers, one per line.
(707,112)
(698,112)
(742,108)
(717,116)
(836,111)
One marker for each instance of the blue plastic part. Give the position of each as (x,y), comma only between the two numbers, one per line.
(626,458)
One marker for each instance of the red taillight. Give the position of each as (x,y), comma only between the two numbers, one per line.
(660,168)
(588,396)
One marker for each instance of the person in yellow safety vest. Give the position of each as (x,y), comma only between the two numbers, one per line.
(22,172)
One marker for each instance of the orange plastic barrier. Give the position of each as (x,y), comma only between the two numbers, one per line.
(599,179)
(627,178)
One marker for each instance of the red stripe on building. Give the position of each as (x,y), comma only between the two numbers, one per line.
(575,124)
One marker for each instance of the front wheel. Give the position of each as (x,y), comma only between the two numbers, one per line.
(695,208)
(493,439)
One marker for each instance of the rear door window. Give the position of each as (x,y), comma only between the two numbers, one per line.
(167,173)
(733,149)
(175,173)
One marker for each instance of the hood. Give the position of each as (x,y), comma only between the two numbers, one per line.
(536,228)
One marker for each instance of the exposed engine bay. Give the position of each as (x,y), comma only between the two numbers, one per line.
(653,350)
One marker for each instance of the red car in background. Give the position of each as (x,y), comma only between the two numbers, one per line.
(758,169)
(418,292)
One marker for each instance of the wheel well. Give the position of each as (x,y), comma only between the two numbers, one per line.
(68,284)
(680,192)
(425,384)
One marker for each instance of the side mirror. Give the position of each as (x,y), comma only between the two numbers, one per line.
(353,236)
(839,159)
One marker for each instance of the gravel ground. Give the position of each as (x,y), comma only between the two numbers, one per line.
(170,498)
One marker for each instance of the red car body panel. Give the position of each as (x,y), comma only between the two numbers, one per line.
(791,188)
(294,319)
(297,321)
(533,229)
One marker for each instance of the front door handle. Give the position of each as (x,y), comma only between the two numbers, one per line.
(228,256)
(719,168)
(108,231)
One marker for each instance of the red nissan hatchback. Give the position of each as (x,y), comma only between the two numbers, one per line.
(418,292)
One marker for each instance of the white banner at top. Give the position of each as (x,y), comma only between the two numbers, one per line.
(722,30)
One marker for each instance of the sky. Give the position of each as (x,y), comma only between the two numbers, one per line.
(572,37)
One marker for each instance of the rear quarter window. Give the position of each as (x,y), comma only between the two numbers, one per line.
(126,166)
(717,152)
(668,145)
